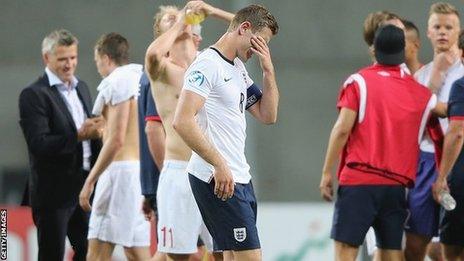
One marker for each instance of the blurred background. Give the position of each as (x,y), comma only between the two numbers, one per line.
(319,44)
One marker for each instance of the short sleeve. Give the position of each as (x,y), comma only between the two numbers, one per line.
(456,101)
(349,96)
(112,92)
(122,90)
(201,77)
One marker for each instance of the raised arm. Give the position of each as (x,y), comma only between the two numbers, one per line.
(210,10)
(441,63)
(186,126)
(156,55)
(265,110)
(118,118)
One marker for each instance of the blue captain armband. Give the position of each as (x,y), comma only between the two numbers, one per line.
(254,94)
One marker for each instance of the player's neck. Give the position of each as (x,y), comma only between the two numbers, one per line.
(226,45)
(113,67)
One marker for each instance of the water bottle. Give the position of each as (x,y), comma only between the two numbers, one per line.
(193,18)
(447,201)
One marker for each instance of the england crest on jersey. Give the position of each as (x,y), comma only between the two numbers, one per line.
(196,78)
(240,234)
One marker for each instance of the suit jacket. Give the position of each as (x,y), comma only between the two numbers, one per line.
(55,154)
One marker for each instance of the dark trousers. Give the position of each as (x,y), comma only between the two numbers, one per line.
(53,225)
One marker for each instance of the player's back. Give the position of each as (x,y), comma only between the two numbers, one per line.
(393,109)
(130,147)
(392,88)
(122,86)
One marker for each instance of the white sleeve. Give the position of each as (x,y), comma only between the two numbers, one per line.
(114,91)
(425,117)
(201,77)
(122,90)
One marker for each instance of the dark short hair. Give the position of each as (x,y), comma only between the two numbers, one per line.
(115,46)
(258,16)
(410,26)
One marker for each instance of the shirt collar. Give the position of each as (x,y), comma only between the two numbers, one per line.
(54,80)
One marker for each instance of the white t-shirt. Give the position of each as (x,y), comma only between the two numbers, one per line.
(456,71)
(223,83)
(120,85)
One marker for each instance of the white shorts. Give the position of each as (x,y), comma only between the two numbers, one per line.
(117,215)
(179,219)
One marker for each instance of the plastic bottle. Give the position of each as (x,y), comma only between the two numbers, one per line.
(447,201)
(193,18)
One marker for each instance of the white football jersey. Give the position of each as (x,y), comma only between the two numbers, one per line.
(456,71)
(223,83)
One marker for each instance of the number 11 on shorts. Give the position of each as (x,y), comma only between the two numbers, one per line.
(164,236)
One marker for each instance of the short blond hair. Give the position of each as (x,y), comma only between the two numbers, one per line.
(163,9)
(443,8)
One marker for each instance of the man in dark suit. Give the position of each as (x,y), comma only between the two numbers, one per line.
(63,143)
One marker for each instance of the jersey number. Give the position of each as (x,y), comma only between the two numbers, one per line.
(242,99)
(164,236)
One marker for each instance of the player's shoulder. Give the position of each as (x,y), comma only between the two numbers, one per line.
(460,82)
(126,72)
(458,85)
(122,82)
(205,64)
(358,77)
(457,91)
(207,56)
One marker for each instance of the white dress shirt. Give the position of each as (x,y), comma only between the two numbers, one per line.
(75,107)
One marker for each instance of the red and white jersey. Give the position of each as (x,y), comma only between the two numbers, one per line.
(383,147)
